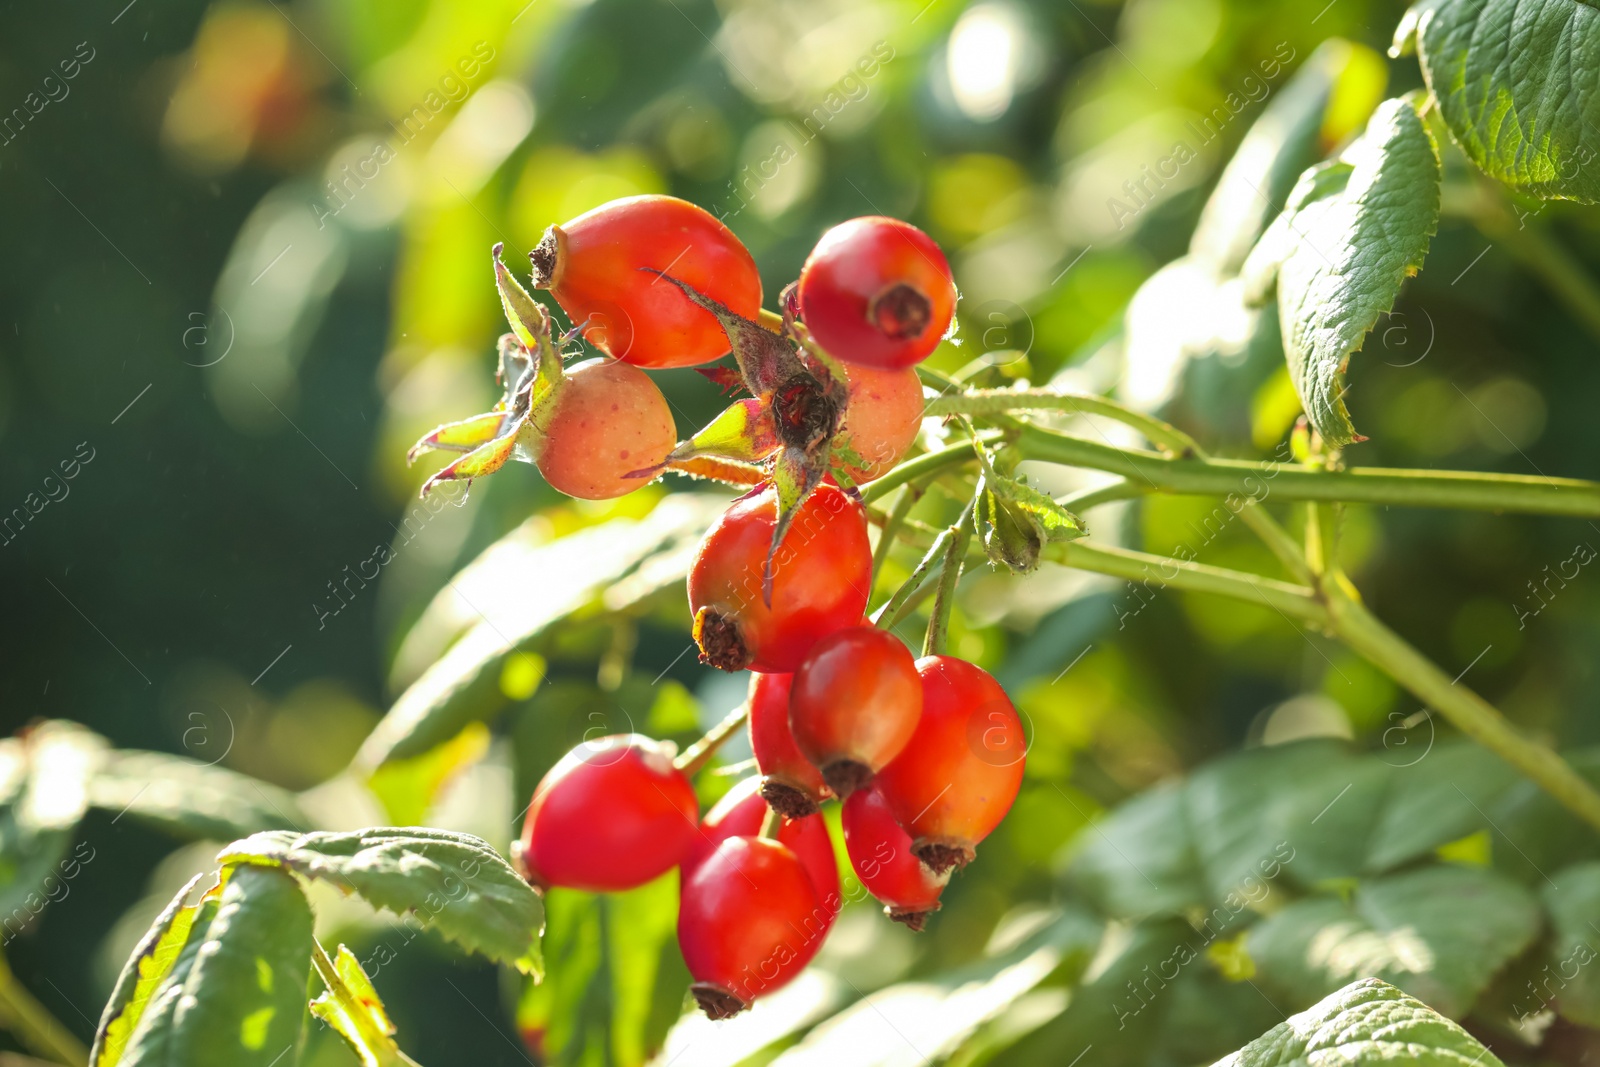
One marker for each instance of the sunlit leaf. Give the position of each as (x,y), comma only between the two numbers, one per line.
(1353,231)
(151,962)
(1515,83)
(45,778)
(1440,933)
(1366,1024)
(1285,140)
(351,1007)
(191,799)
(925,1021)
(236,993)
(453,883)
(407,788)
(619,982)
(513,593)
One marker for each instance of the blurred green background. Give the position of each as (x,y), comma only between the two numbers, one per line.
(248,263)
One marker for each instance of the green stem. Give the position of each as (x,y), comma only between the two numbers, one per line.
(697,755)
(771,823)
(891,528)
(1163,434)
(889,615)
(944,597)
(1461,707)
(33,1025)
(1295,601)
(927,465)
(1367,485)
(987,403)
(1084,499)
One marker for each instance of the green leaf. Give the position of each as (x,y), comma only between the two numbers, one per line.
(236,994)
(351,1007)
(1440,933)
(454,883)
(151,962)
(407,788)
(1015,522)
(45,776)
(1195,843)
(1365,1024)
(1366,816)
(191,799)
(1572,899)
(1287,138)
(1150,997)
(619,982)
(1353,230)
(1515,82)
(934,1016)
(487,611)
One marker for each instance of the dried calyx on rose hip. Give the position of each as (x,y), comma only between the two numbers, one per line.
(854,704)
(958,775)
(877,291)
(591,265)
(596,431)
(880,852)
(741,813)
(612,814)
(790,782)
(749,920)
(819,580)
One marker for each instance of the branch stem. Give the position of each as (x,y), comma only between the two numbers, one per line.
(697,755)
(1368,485)
(33,1025)
(944,597)
(1468,712)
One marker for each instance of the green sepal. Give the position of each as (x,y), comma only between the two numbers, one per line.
(352,1009)
(1015,521)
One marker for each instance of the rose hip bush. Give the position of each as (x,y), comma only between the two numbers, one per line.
(1298,902)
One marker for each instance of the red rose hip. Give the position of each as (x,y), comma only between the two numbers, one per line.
(854,704)
(880,852)
(607,420)
(741,812)
(957,776)
(748,921)
(592,267)
(820,578)
(877,291)
(612,814)
(791,783)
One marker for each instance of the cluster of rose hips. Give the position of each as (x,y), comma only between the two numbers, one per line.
(925,755)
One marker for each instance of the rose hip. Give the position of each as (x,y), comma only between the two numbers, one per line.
(592,266)
(854,704)
(612,814)
(608,420)
(821,575)
(882,418)
(958,775)
(791,784)
(878,292)
(741,812)
(880,852)
(748,921)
